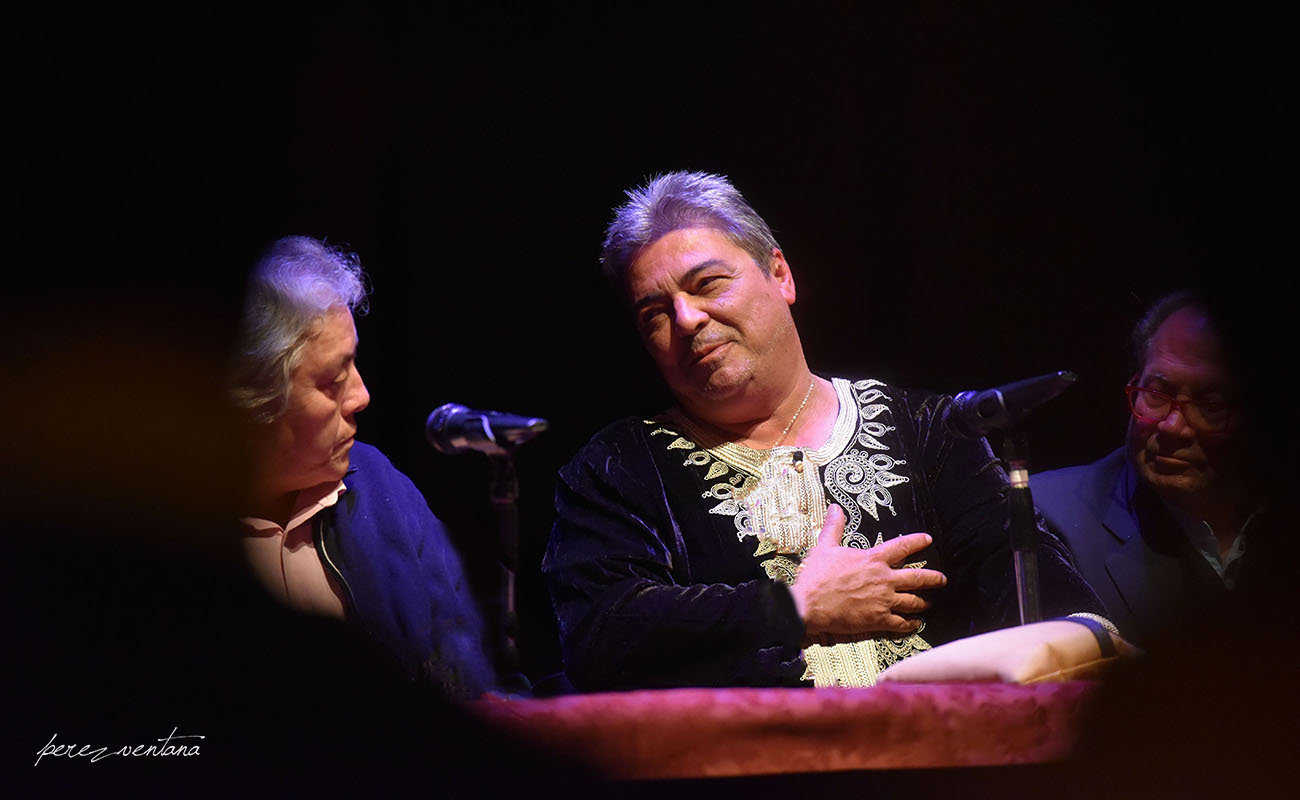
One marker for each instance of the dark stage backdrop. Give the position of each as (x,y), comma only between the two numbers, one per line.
(966,198)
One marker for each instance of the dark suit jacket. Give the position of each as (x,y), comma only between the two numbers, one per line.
(1126,544)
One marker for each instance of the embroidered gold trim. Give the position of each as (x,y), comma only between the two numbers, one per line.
(857,663)
(783,506)
(786,505)
(751,461)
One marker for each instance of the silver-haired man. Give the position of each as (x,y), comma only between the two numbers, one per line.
(776,527)
(332,528)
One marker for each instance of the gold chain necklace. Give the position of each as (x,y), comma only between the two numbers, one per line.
(716,441)
(797,411)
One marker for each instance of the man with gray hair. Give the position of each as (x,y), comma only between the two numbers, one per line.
(775,527)
(332,528)
(1158,526)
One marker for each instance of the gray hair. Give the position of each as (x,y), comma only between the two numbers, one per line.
(675,200)
(295,283)
(1155,316)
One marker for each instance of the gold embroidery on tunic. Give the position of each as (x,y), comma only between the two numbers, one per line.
(786,506)
(857,663)
(780,568)
(783,508)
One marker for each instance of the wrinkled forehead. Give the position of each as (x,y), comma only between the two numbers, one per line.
(331,337)
(724,231)
(336,320)
(682,251)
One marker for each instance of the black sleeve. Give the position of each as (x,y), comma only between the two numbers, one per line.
(968,493)
(633,610)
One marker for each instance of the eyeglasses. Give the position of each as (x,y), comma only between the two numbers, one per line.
(1149,405)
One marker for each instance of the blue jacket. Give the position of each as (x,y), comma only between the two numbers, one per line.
(1128,547)
(402,579)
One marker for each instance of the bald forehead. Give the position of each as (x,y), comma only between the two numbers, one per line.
(1186,355)
(1187,332)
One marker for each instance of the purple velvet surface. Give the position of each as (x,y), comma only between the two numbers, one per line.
(686,733)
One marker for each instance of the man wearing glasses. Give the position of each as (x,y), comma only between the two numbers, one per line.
(1157,526)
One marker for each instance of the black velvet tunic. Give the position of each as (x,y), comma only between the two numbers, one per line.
(658,579)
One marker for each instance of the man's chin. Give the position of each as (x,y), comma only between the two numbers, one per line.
(1167,480)
(338,466)
(727,380)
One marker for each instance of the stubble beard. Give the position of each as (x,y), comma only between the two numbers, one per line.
(740,368)
(728,378)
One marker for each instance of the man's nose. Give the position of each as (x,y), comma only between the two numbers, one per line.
(1175,423)
(358,396)
(688,317)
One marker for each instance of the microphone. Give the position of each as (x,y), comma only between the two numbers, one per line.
(974,414)
(453,428)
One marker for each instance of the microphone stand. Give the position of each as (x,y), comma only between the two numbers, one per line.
(452,429)
(504,493)
(1020,523)
(1003,409)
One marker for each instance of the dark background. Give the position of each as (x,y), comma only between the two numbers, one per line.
(966,198)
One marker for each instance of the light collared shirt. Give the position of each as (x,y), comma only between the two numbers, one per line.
(285,560)
(1202,537)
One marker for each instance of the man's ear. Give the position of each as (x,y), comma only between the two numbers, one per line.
(779,271)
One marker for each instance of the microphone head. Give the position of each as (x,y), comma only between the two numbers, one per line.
(437,428)
(452,428)
(974,414)
(515,429)
(1030,393)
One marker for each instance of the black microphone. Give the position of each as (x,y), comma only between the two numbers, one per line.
(453,428)
(974,414)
